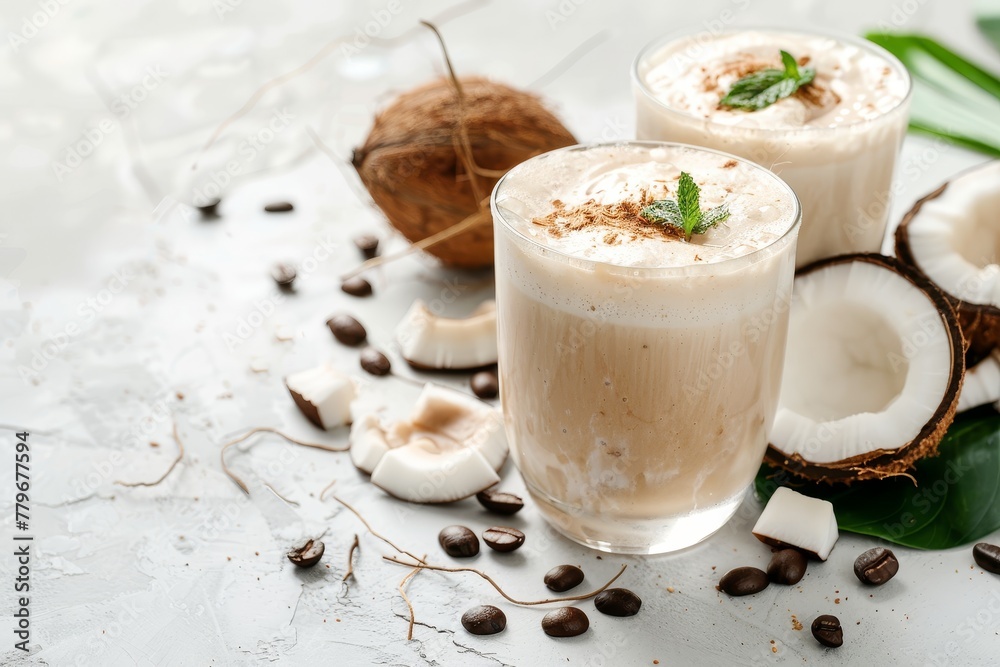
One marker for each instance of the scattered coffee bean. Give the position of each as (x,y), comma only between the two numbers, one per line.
(367,244)
(284,275)
(503,538)
(209,209)
(617,602)
(485,384)
(987,556)
(500,502)
(356,287)
(347,330)
(565,622)
(484,620)
(563,577)
(308,554)
(458,542)
(375,362)
(743,581)
(787,567)
(278,207)
(876,566)
(827,631)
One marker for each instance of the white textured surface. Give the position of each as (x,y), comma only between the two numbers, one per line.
(192,572)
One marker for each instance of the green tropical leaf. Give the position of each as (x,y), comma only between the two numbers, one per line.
(953,97)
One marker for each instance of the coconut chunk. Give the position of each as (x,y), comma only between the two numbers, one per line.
(323,395)
(873,369)
(428,341)
(952,236)
(982,384)
(435,455)
(368,443)
(425,472)
(791,519)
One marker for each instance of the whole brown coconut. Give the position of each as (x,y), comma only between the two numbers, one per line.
(412,167)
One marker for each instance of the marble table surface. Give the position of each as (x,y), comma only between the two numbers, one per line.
(123,313)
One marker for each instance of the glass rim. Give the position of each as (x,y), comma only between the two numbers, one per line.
(732,263)
(854,40)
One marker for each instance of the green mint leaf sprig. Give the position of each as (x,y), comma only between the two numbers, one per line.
(765,87)
(685,213)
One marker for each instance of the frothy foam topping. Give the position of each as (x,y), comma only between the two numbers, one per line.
(852,84)
(584,202)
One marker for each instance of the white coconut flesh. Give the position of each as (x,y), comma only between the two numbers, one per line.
(869,361)
(455,419)
(424,472)
(982,384)
(430,341)
(451,447)
(955,237)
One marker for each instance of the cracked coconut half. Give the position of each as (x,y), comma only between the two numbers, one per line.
(952,236)
(873,371)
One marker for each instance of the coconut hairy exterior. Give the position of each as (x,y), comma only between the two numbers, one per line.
(880,463)
(411,166)
(980,322)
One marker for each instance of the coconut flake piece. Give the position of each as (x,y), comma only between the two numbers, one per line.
(791,519)
(424,472)
(428,341)
(323,395)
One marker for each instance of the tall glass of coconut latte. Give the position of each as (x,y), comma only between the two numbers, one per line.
(639,370)
(835,141)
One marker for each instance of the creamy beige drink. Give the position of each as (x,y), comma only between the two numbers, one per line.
(640,371)
(835,141)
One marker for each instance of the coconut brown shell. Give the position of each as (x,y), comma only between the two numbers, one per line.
(410,161)
(980,322)
(881,463)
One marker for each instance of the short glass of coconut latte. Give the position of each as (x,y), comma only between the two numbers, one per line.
(639,367)
(833,133)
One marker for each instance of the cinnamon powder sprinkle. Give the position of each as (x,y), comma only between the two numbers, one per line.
(621,219)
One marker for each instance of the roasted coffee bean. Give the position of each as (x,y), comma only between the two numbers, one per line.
(987,556)
(617,602)
(485,384)
(458,542)
(308,554)
(503,538)
(375,362)
(347,330)
(367,244)
(743,581)
(500,502)
(565,622)
(278,207)
(283,274)
(563,577)
(356,287)
(876,566)
(210,209)
(484,620)
(787,567)
(827,631)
